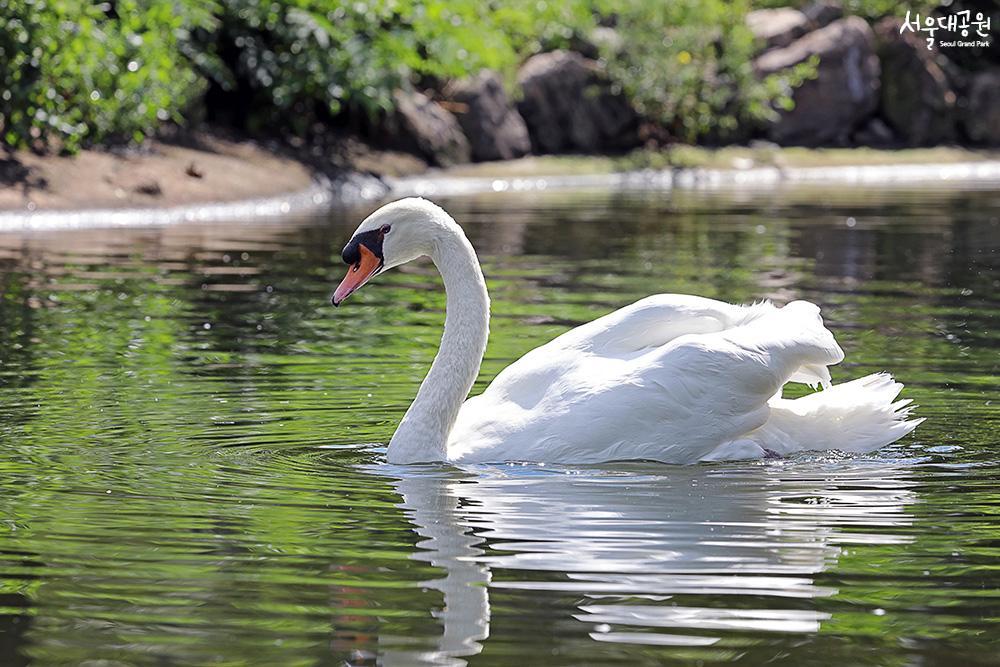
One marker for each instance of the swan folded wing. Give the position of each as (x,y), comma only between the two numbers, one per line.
(622,335)
(655,321)
(717,387)
(780,345)
(674,402)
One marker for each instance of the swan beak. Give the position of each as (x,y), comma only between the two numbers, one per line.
(357,275)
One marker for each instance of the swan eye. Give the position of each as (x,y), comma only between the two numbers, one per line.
(385,229)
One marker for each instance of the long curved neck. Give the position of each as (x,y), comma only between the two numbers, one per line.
(422,435)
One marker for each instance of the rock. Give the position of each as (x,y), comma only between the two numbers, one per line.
(777,27)
(494,128)
(822,13)
(12,171)
(917,99)
(149,187)
(982,117)
(844,93)
(424,127)
(568,105)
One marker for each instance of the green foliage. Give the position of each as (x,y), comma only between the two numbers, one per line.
(688,65)
(76,72)
(79,73)
(869,9)
(299,58)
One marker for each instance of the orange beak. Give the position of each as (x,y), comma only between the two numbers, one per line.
(357,275)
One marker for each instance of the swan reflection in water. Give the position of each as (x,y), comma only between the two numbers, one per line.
(631,540)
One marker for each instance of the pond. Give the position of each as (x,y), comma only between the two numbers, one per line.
(192,446)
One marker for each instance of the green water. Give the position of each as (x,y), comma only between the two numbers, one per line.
(191,470)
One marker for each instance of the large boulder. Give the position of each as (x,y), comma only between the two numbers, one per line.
(917,98)
(494,128)
(844,93)
(777,27)
(424,127)
(982,117)
(568,106)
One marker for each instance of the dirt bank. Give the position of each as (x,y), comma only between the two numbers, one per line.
(204,169)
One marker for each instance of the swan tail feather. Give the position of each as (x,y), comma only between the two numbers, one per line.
(856,417)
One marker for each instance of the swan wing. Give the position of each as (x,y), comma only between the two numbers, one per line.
(655,321)
(632,389)
(647,324)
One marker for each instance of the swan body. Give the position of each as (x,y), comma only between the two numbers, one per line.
(671,378)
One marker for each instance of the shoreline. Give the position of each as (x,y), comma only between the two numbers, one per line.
(706,178)
(696,168)
(321,196)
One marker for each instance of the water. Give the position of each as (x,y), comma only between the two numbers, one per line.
(190,467)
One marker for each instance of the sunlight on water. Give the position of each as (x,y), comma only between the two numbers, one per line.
(193,441)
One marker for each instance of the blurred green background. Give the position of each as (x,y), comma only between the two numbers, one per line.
(77,73)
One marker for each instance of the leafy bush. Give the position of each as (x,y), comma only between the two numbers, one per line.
(687,64)
(296,60)
(77,73)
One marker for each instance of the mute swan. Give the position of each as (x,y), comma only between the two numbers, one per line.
(670,378)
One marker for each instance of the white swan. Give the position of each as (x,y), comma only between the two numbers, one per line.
(670,378)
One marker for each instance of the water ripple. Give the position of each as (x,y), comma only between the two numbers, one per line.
(193,460)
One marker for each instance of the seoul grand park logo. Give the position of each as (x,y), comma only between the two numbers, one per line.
(960,29)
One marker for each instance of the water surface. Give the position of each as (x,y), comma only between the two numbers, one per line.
(192,462)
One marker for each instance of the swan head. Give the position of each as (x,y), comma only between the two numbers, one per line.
(395,234)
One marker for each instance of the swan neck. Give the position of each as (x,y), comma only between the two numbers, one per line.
(422,435)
